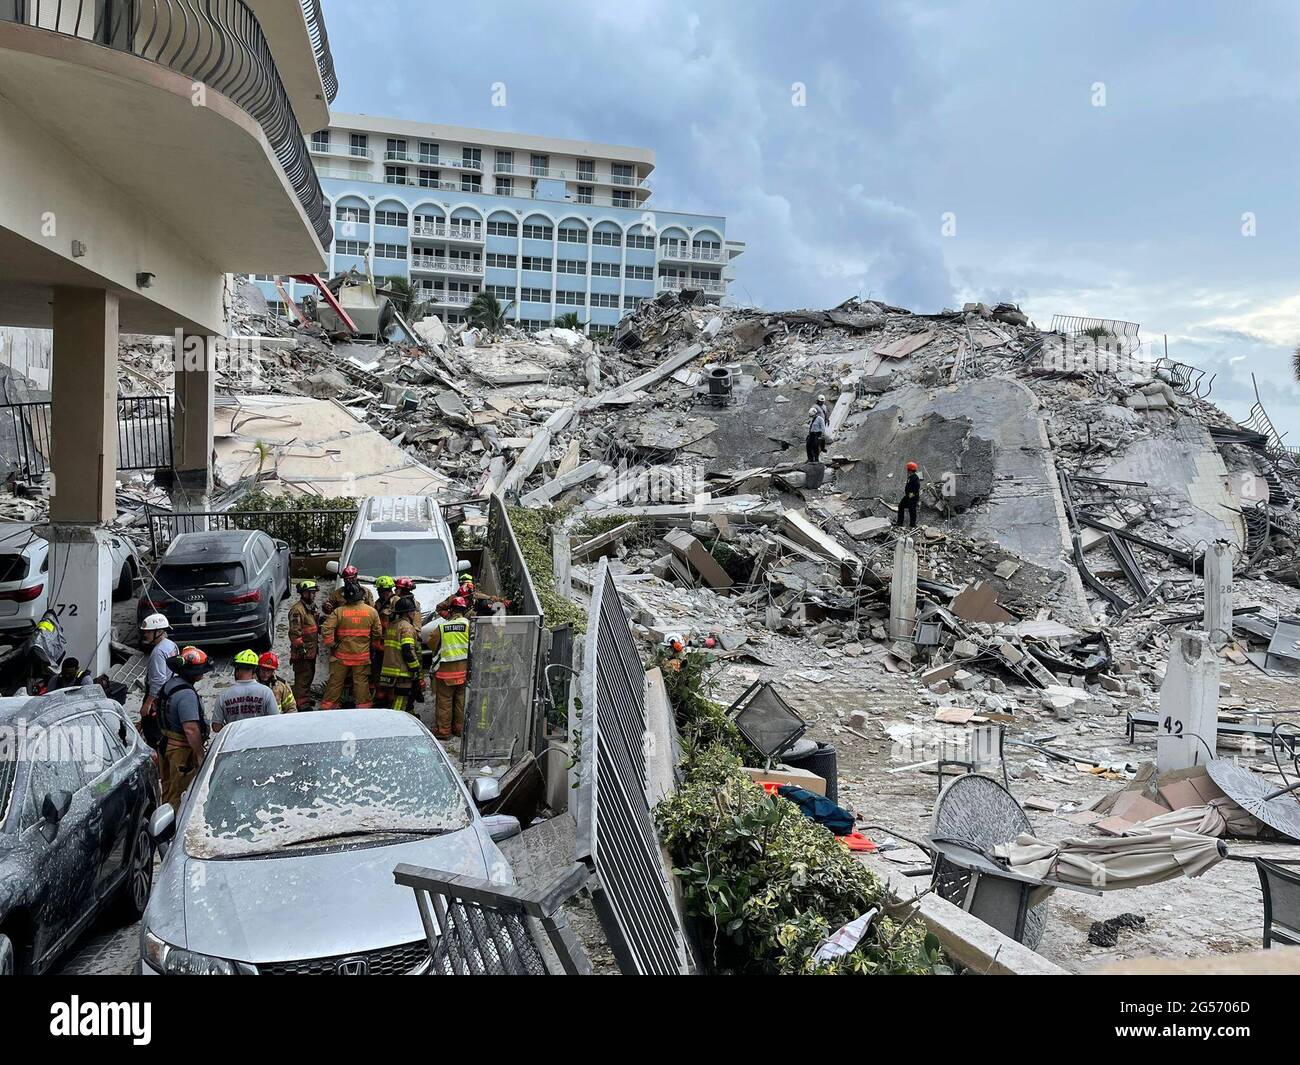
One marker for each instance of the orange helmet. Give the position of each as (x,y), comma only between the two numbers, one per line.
(912,467)
(270,660)
(191,660)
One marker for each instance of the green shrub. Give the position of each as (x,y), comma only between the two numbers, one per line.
(286,520)
(767,884)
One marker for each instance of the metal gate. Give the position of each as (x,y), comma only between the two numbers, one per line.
(500,702)
(616,834)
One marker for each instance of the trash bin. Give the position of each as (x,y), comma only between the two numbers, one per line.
(821,760)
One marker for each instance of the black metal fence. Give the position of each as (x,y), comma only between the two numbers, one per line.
(512,569)
(216,43)
(144,434)
(305,531)
(616,834)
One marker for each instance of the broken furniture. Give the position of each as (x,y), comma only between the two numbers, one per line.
(766,720)
(1276,807)
(989,890)
(978,755)
(978,813)
(477,928)
(1281,888)
(1139,719)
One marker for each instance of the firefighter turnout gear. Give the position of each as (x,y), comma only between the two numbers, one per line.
(284,697)
(449,642)
(400,673)
(350,633)
(304,643)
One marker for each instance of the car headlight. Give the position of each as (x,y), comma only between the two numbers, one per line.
(169,960)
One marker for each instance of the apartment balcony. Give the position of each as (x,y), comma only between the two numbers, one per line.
(342,151)
(97,110)
(448,299)
(445,231)
(581,177)
(438,264)
(676,284)
(682,253)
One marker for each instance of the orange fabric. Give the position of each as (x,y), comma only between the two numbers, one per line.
(350,633)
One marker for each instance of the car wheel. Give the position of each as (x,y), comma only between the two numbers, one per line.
(125,582)
(8,958)
(267,637)
(139,875)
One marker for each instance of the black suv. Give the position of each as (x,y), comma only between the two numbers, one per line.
(219,587)
(77,788)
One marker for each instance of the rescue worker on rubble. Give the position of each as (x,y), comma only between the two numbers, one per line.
(351,632)
(480,603)
(184,726)
(350,578)
(266,667)
(399,679)
(823,410)
(816,435)
(304,641)
(247,697)
(911,496)
(449,642)
(70,675)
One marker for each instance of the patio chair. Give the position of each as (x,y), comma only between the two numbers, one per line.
(1281,889)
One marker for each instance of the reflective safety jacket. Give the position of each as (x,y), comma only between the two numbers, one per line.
(449,641)
(304,630)
(350,633)
(401,659)
(283,696)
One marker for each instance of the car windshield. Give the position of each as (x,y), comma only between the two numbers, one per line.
(262,799)
(425,559)
(176,577)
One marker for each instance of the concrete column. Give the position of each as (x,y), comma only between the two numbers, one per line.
(1218,593)
(902,590)
(192,428)
(83,484)
(1189,704)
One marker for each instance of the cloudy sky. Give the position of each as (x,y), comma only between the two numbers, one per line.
(1136,161)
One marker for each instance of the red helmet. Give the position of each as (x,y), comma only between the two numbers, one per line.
(270,660)
(404,584)
(459,602)
(912,467)
(350,573)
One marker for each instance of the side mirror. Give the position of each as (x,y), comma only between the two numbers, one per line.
(485,789)
(502,826)
(332,566)
(56,806)
(463,566)
(280,545)
(162,823)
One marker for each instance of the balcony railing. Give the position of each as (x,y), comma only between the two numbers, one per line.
(683,253)
(341,151)
(391,156)
(320,44)
(218,44)
(673,284)
(443,231)
(449,299)
(439,265)
(585,177)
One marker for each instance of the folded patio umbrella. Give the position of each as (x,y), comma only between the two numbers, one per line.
(1218,817)
(1111,863)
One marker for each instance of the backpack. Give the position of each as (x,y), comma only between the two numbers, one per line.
(164,704)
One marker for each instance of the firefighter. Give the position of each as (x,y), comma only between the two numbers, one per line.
(911,496)
(284,699)
(247,697)
(184,726)
(384,600)
(449,642)
(400,677)
(304,642)
(350,633)
(480,603)
(351,578)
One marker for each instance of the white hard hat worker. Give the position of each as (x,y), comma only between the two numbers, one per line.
(812,410)
(154,622)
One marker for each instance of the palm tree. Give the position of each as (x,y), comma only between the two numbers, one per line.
(403,295)
(568,321)
(488,313)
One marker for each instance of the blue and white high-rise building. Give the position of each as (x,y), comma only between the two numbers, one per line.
(550,225)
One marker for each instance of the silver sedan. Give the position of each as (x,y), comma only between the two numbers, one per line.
(281,858)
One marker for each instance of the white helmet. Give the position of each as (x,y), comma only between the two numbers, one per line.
(821,399)
(812,410)
(154,622)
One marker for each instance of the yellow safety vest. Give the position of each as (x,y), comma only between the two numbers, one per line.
(454,643)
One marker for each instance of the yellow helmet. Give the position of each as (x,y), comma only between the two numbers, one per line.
(384,582)
(246,658)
